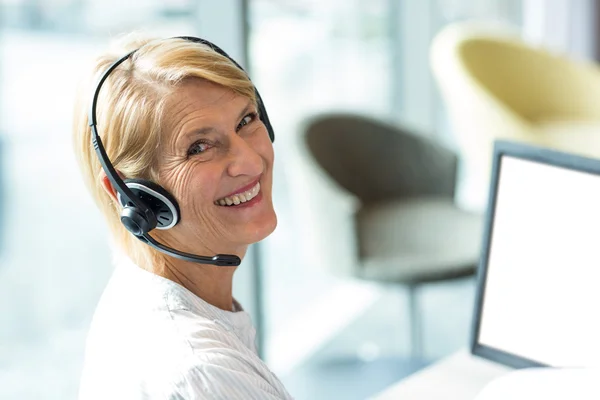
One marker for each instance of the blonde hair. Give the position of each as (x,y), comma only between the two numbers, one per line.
(130,111)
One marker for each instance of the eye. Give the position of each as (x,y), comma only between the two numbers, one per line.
(246,120)
(198,147)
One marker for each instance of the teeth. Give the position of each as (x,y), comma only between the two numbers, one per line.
(240,197)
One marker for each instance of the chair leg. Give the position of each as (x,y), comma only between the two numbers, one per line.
(416,334)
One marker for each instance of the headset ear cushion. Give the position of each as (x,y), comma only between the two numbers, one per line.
(161,202)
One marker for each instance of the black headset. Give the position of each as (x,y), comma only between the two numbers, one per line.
(147,205)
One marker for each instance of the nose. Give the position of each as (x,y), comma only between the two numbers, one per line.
(244,159)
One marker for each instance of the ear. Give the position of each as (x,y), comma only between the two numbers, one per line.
(108,187)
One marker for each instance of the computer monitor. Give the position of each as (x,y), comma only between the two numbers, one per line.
(538,286)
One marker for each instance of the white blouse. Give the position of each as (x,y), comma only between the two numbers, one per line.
(151,338)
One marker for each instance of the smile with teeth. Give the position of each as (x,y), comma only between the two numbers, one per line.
(239,198)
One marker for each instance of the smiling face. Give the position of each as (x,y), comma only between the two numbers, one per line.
(215,151)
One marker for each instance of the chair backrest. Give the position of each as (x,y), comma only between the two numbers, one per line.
(377,161)
(533,83)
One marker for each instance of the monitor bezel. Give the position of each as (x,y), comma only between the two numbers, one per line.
(530,153)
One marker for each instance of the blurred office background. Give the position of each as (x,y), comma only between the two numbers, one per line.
(326,333)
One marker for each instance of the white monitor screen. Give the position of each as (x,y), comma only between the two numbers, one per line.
(542,288)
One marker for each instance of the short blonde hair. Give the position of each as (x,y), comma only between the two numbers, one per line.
(130,112)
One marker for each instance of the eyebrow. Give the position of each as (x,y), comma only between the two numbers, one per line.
(208,129)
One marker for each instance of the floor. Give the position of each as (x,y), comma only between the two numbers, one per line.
(349,379)
(371,353)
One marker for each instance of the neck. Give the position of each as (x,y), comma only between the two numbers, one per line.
(211,283)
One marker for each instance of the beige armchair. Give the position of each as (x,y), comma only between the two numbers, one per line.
(495,86)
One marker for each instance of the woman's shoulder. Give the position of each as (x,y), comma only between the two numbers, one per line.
(153,334)
(175,354)
(137,306)
(213,375)
(142,316)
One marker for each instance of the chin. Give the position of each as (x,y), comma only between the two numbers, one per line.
(254,233)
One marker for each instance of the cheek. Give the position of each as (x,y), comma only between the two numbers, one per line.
(194,189)
(264,148)
(269,157)
(199,193)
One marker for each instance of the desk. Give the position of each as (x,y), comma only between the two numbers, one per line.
(460,376)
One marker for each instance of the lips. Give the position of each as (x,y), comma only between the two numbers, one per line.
(241,195)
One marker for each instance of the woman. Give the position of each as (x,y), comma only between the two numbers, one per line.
(181,115)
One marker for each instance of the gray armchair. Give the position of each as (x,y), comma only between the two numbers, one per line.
(408,228)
